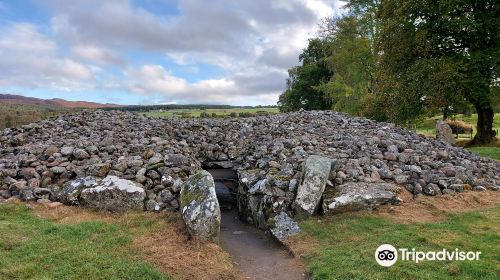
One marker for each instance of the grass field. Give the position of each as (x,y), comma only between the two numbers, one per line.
(345,245)
(76,243)
(428,125)
(197,112)
(492,152)
(35,248)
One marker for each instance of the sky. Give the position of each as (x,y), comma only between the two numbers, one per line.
(155,51)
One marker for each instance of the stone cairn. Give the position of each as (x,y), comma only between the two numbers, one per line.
(287,165)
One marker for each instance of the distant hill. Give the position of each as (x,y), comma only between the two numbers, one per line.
(23,100)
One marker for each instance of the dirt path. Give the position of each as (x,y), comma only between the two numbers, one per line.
(255,255)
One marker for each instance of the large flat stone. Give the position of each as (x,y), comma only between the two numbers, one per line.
(355,196)
(114,194)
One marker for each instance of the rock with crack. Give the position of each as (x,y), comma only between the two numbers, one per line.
(114,194)
(316,172)
(70,192)
(282,226)
(199,207)
(358,196)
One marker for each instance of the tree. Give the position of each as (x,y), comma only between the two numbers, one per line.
(438,54)
(301,91)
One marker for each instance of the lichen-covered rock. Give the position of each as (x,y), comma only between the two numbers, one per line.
(316,172)
(199,207)
(358,196)
(444,132)
(70,192)
(114,194)
(282,226)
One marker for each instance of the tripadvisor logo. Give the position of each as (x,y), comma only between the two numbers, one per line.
(387,255)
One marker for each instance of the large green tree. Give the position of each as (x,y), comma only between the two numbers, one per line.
(301,91)
(439,54)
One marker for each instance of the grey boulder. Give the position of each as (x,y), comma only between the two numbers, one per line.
(282,227)
(114,194)
(70,192)
(200,209)
(358,196)
(444,132)
(316,172)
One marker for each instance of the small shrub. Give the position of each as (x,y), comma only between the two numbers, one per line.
(246,115)
(233,115)
(262,113)
(204,115)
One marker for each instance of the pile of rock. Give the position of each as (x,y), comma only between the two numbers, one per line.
(270,153)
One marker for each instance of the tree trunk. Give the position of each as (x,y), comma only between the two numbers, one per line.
(485,133)
(445,113)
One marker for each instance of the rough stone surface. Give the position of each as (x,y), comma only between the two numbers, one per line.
(114,194)
(199,207)
(282,227)
(358,196)
(70,193)
(444,132)
(316,172)
(269,151)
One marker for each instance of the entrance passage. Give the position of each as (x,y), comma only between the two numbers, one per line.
(254,254)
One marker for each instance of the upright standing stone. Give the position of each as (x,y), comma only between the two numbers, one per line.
(444,132)
(316,172)
(200,208)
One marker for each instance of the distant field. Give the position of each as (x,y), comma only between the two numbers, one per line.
(15,115)
(428,125)
(196,112)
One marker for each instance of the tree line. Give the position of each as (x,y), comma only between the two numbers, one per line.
(401,60)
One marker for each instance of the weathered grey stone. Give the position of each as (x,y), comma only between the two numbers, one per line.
(358,196)
(57,169)
(282,226)
(70,192)
(309,192)
(432,189)
(26,194)
(444,132)
(98,170)
(67,150)
(176,160)
(114,194)
(80,154)
(199,206)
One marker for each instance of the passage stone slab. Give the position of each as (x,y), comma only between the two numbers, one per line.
(316,172)
(358,196)
(200,208)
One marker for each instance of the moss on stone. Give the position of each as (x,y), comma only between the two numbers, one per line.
(188,197)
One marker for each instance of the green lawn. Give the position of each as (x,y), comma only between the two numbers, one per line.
(428,125)
(346,246)
(197,112)
(35,248)
(492,152)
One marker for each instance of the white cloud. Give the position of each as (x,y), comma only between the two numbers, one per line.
(30,59)
(154,80)
(96,54)
(253,43)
